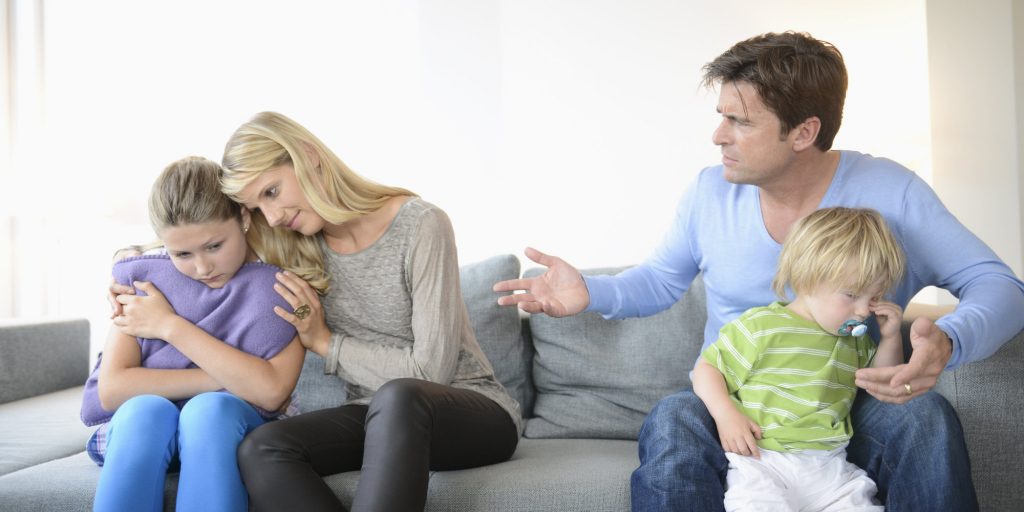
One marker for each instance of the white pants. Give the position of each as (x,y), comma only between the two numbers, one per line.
(804,482)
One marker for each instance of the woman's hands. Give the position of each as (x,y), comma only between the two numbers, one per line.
(312,327)
(148,316)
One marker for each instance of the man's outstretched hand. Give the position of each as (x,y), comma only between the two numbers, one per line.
(932,350)
(560,291)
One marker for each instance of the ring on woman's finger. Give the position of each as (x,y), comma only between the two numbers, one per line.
(302,311)
(910,390)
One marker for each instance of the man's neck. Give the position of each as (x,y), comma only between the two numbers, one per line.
(798,193)
(805,184)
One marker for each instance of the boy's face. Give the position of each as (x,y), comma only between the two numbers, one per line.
(830,307)
(209,252)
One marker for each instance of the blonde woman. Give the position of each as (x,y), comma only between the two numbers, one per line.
(373,285)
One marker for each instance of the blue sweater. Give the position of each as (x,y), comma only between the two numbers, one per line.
(719,231)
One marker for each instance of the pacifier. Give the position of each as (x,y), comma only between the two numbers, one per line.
(853,328)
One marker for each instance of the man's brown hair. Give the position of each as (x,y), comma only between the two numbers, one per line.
(796,75)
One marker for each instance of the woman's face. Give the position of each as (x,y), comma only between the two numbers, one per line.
(277,194)
(209,252)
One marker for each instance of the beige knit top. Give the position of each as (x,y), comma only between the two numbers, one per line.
(395,310)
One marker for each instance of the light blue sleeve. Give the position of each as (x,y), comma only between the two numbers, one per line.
(943,253)
(657,283)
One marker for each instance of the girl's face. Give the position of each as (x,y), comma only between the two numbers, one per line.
(209,252)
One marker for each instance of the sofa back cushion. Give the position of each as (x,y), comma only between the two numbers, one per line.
(497,328)
(598,378)
(40,356)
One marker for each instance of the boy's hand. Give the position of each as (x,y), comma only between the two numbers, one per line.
(738,434)
(890,318)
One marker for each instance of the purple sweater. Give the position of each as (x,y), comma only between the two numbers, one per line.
(239,314)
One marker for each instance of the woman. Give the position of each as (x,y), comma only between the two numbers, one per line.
(375,292)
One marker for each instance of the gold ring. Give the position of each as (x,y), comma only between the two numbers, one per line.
(910,390)
(302,311)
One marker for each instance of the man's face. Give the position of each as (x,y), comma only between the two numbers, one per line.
(754,151)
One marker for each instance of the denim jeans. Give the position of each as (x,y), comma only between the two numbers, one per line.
(915,453)
(148,433)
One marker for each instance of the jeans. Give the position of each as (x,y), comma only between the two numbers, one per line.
(409,428)
(915,453)
(147,434)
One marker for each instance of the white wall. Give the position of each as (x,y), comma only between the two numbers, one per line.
(573,125)
(976,123)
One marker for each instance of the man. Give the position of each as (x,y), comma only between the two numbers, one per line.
(781,100)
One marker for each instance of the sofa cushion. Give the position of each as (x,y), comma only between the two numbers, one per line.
(316,390)
(39,357)
(41,429)
(598,378)
(987,397)
(498,330)
(68,484)
(567,475)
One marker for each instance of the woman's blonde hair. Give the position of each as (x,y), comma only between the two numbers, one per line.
(335,193)
(188,192)
(839,247)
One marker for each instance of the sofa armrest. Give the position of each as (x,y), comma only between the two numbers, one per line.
(987,397)
(39,357)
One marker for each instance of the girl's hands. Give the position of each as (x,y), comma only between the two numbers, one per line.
(738,433)
(312,328)
(116,289)
(148,316)
(890,318)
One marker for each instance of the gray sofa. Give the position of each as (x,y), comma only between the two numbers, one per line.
(585,384)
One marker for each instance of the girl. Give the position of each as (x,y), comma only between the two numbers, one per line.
(195,361)
(391,322)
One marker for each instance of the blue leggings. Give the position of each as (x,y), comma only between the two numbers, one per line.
(148,431)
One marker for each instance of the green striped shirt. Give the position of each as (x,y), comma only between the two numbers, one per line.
(791,377)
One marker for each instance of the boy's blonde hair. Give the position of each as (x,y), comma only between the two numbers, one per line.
(188,192)
(839,247)
(270,140)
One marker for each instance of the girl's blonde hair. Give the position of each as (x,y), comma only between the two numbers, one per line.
(840,247)
(335,193)
(188,192)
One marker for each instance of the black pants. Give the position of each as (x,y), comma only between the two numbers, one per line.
(410,427)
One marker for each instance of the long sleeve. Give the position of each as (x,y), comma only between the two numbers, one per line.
(657,283)
(944,253)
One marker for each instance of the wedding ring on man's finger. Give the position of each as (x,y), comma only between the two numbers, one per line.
(302,311)
(910,390)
